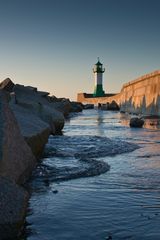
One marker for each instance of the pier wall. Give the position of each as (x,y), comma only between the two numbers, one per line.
(140,96)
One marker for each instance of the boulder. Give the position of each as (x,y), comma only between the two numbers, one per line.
(113,106)
(35,131)
(88,106)
(7,85)
(63,106)
(136,122)
(76,106)
(27,118)
(38,104)
(66,106)
(16,158)
(13,204)
(16,164)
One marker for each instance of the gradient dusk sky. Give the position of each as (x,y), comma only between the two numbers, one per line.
(53,44)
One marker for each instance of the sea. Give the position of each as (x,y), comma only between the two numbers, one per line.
(99,180)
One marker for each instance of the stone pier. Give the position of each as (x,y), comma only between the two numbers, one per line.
(140,96)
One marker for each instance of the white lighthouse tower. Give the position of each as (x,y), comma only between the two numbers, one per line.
(98,79)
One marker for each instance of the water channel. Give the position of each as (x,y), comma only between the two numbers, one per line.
(99,180)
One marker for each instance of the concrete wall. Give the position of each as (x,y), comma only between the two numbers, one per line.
(140,96)
(88,98)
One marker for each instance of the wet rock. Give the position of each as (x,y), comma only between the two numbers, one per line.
(7,85)
(55,191)
(136,122)
(109,237)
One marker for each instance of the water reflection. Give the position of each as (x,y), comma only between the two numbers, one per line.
(152,124)
(100,117)
(100,121)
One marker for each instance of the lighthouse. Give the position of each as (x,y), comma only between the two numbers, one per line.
(98,71)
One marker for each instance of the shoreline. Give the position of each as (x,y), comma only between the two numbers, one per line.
(54,204)
(29,118)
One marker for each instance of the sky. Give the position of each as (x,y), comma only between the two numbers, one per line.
(53,44)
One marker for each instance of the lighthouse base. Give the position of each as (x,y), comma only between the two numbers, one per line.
(98,91)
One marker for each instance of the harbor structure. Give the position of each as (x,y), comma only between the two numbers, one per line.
(98,71)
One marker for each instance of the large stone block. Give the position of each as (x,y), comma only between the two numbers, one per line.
(35,131)
(38,104)
(17,159)
(7,85)
(16,164)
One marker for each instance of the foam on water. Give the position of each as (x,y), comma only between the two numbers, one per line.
(77,156)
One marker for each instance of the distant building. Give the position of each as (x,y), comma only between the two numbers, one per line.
(98,79)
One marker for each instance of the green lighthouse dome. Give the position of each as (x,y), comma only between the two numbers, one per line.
(99,63)
(98,67)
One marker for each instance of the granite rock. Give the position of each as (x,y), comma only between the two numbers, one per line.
(7,85)
(37,103)
(16,159)
(13,204)
(136,122)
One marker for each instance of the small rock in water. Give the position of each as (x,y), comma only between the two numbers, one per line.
(109,237)
(88,106)
(136,122)
(55,191)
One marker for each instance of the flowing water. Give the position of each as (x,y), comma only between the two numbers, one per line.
(99,180)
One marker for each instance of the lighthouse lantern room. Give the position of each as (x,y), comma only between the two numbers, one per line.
(98,71)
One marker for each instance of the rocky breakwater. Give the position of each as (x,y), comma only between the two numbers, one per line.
(16,163)
(27,118)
